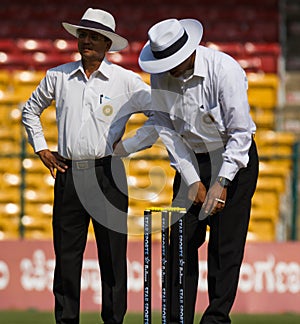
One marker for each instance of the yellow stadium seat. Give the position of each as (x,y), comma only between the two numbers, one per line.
(5,79)
(38,180)
(9,229)
(276,184)
(263,118)
(264,212)
(25,81)
(10,195)
(269,168)
(48,117)
(11,132)
(37,227)
(265,199)
(9,98)
(38,209)
(9,210)
(9,180)
(10,146)
(50,132)
(39,195)
(34,165)
(271,137)
(275,152)
(11,116)
(10,165)
(262,230)
(263,90)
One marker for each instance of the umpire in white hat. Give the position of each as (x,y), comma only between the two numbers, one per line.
(202,96)
(94,98)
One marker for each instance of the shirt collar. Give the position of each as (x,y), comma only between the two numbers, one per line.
(199,66)
(104,68)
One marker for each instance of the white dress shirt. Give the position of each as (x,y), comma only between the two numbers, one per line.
(208,108)
(91,113)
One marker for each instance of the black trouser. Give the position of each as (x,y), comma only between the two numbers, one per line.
(228,231)
(79,196)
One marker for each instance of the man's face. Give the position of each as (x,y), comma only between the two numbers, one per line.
(92,45)
(180,69)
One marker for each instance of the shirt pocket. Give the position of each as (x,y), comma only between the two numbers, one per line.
(210,120)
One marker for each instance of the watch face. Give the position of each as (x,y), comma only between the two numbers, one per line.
(223,181)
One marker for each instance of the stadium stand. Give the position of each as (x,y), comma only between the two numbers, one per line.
(38,42)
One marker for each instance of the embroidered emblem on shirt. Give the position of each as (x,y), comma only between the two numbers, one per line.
(107,110)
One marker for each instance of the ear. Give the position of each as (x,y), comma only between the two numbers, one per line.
(108,45)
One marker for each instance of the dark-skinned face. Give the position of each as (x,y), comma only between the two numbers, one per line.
(180,69)
(92,45)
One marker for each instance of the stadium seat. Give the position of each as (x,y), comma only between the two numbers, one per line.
(34,164)
(263,31)
(41,210)
(5,80)
(37,227)
(10,164)
(39,195)
(13,61)
(263,118)
(24,82)
(9,228)
(10,131)
(263,90)
(271,183)
(251,64)
(258,49)
(234,49)
(39,180)
(265,199)
(263,230)
(10,195)
(65,46)
(48,117)
(10,180)
(28,45)
(45,61)
(9,210)
(7,45)
(275,138)
(9,146)
(126,59)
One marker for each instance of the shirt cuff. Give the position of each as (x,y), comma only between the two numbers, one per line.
(39,144)
(228,171)
(189,175)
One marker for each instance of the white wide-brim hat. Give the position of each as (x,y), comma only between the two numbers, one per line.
(170,43)
(101,22)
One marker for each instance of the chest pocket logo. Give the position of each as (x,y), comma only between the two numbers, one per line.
(107,110)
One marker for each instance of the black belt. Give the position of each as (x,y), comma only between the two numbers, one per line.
(87,164)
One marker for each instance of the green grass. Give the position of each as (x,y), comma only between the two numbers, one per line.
(35,317)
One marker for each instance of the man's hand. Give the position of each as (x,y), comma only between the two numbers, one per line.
(119,149)
(197,193)
(53,161)
(215,199)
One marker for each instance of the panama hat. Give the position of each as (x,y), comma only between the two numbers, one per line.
(170,43)
(101,22)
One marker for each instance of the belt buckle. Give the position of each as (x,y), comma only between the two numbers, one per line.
(81,165)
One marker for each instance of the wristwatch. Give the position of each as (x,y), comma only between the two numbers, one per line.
(224,182)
